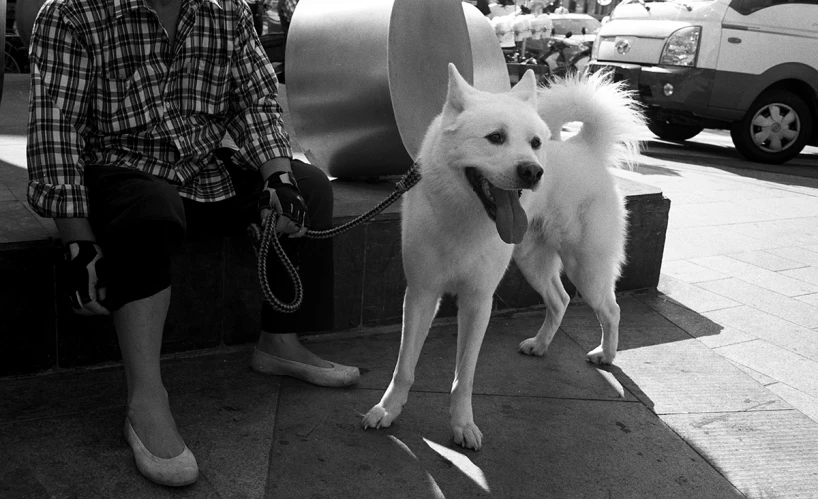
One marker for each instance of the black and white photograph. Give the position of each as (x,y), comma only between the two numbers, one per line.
(409,249)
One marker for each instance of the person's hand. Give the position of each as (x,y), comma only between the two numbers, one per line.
(86,285)
(281,196)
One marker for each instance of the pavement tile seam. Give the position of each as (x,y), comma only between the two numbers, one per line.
(801,254)
(774,362)
(767,260)
(809,300)
(753,274)
(293,384)
(524,396)
(768,301)
(754,409)
(762,325)
(804,402)
(107,407)
(761,378)
(727,336)
(695,297)
(726,344)
(98,408)
(795,388)
(808,274)
(754,338)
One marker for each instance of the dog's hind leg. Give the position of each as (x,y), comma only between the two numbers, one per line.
(541,267)
(419,309)
(595,279)
(473,314)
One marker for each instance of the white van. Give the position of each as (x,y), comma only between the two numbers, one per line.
(750,66)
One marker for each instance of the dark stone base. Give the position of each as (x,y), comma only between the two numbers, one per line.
(216,293)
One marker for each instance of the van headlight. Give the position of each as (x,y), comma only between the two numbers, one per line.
(682,47)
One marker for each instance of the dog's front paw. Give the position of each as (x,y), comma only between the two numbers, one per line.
(380,417)
(599,356)
(468,436)
(533,347)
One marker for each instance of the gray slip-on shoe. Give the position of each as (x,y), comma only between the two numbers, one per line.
(335,376)
(174,472)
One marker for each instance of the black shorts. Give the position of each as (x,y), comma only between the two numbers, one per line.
(139,220)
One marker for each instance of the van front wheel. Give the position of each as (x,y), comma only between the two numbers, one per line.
(669,131)
(775,129)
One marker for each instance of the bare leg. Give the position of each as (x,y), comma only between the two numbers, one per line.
(139,326)
(473,313)
(419,308)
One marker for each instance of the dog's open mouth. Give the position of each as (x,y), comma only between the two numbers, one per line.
(502,206)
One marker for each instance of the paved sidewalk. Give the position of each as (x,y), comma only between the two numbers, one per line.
(713,393)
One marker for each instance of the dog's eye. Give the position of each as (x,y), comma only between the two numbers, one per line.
(496,138)
(536,143)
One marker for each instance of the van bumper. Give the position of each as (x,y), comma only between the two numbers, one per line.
(691,88)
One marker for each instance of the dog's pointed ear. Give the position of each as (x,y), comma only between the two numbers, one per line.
(459,89)
(526,88)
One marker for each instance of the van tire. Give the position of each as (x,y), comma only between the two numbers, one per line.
(794,126)
(672,132)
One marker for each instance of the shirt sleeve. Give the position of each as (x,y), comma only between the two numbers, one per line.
(257,126)
(58,107)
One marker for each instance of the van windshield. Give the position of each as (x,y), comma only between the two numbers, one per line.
(665,1)
(746,7)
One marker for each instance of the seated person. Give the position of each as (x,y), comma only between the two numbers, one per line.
(129,102)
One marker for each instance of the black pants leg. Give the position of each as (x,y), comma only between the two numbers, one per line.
(140,219)
(312,257)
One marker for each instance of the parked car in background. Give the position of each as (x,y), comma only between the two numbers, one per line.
(748,66)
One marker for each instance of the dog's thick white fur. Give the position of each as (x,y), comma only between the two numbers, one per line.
(461,221)
(578,218)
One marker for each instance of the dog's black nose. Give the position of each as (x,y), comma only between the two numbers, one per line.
(530,173)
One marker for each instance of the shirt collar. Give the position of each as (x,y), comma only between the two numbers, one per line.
(122,6)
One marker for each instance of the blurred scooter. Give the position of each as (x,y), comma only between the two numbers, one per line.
(566,56)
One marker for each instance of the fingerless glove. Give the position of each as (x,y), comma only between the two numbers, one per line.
(85,269)
(282,185)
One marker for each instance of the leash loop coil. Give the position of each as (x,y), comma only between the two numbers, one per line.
(263,239)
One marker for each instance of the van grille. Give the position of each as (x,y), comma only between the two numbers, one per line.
(632,49)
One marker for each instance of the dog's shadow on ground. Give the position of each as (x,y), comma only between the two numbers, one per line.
(548,422)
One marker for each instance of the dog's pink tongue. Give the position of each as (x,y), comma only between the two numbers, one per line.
(511,219)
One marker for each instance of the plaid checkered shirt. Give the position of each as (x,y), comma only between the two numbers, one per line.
(107,88)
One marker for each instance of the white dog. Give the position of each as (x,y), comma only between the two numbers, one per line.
(481,160)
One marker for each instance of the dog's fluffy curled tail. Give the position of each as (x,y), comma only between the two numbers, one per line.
(609,114)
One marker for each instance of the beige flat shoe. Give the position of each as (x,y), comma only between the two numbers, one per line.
(335,376)
(174,472)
